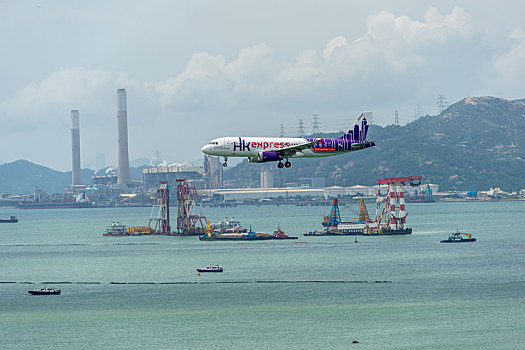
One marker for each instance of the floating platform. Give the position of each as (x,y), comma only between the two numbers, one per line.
(389,232)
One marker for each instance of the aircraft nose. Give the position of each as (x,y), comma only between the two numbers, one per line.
(206,149)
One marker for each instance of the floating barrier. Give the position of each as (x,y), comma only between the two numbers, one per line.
(202,282)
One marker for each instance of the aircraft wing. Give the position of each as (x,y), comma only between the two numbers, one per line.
(292,150)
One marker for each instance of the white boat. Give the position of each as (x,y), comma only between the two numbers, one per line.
(116,229)
(226,224)
(214,268)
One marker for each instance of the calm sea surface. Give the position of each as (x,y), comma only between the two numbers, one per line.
(442,296)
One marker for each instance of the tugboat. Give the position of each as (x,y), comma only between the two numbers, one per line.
(457,238)
(44,291)
(214,268)
(279,234)
(116,229)
(12,219)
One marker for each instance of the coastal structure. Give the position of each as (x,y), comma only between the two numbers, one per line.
(76,176)
(124,177)
(212,172)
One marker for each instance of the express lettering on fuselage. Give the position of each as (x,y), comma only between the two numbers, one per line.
(264,149)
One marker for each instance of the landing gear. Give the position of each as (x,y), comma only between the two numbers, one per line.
(287,164)
(225,164)
(280,165)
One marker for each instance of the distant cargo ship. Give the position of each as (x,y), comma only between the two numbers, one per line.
(54,205)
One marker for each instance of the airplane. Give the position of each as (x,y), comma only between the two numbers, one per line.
(277,149)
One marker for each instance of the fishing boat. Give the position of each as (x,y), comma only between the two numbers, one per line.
(45,291)
(213,268)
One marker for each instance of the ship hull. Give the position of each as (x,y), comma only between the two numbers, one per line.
(7,221)
(244,238)
(38,292)
(53,205)
(355,232)
(458,241)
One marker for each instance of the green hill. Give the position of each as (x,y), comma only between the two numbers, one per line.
(476,143)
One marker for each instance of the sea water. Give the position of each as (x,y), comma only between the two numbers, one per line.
(144,292)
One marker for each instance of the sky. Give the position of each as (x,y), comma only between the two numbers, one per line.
(197,70)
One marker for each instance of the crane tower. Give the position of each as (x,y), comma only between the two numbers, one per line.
(189,219)
(392,215)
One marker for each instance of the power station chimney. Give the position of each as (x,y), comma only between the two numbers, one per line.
(75,149)
(123,159)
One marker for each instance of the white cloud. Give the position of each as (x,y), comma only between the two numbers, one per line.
(334,44)
(510,65)
(201,66)
(390,47)
(68,88)
(396,58)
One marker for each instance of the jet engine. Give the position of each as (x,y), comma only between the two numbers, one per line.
(263,157)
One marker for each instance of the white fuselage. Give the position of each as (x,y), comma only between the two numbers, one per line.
(252,146)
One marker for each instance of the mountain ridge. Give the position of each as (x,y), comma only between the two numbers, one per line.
(475,143)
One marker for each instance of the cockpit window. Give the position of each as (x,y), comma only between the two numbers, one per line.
(213,143)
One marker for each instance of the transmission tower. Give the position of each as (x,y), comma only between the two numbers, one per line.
(300,129)
(418,113)
(441,103)
(315,124)
(396,118)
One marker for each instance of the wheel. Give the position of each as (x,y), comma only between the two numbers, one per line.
(280,165)
(224,164)
(287,164)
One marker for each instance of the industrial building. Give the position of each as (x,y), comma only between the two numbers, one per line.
(213,172)
(75,149)
(258,194)
(124,177)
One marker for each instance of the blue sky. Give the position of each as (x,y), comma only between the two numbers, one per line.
(195,70)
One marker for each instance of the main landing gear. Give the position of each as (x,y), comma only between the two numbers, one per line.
(225,164)
(287,164)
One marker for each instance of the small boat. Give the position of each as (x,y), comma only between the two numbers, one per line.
(214,268)
(228,226)
(279,234)
(116,229)
(44,291)
(12,219)
(457,238)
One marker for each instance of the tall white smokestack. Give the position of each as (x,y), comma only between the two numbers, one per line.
(75,149)
(123,159)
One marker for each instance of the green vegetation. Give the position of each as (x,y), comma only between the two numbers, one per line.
(475,143)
